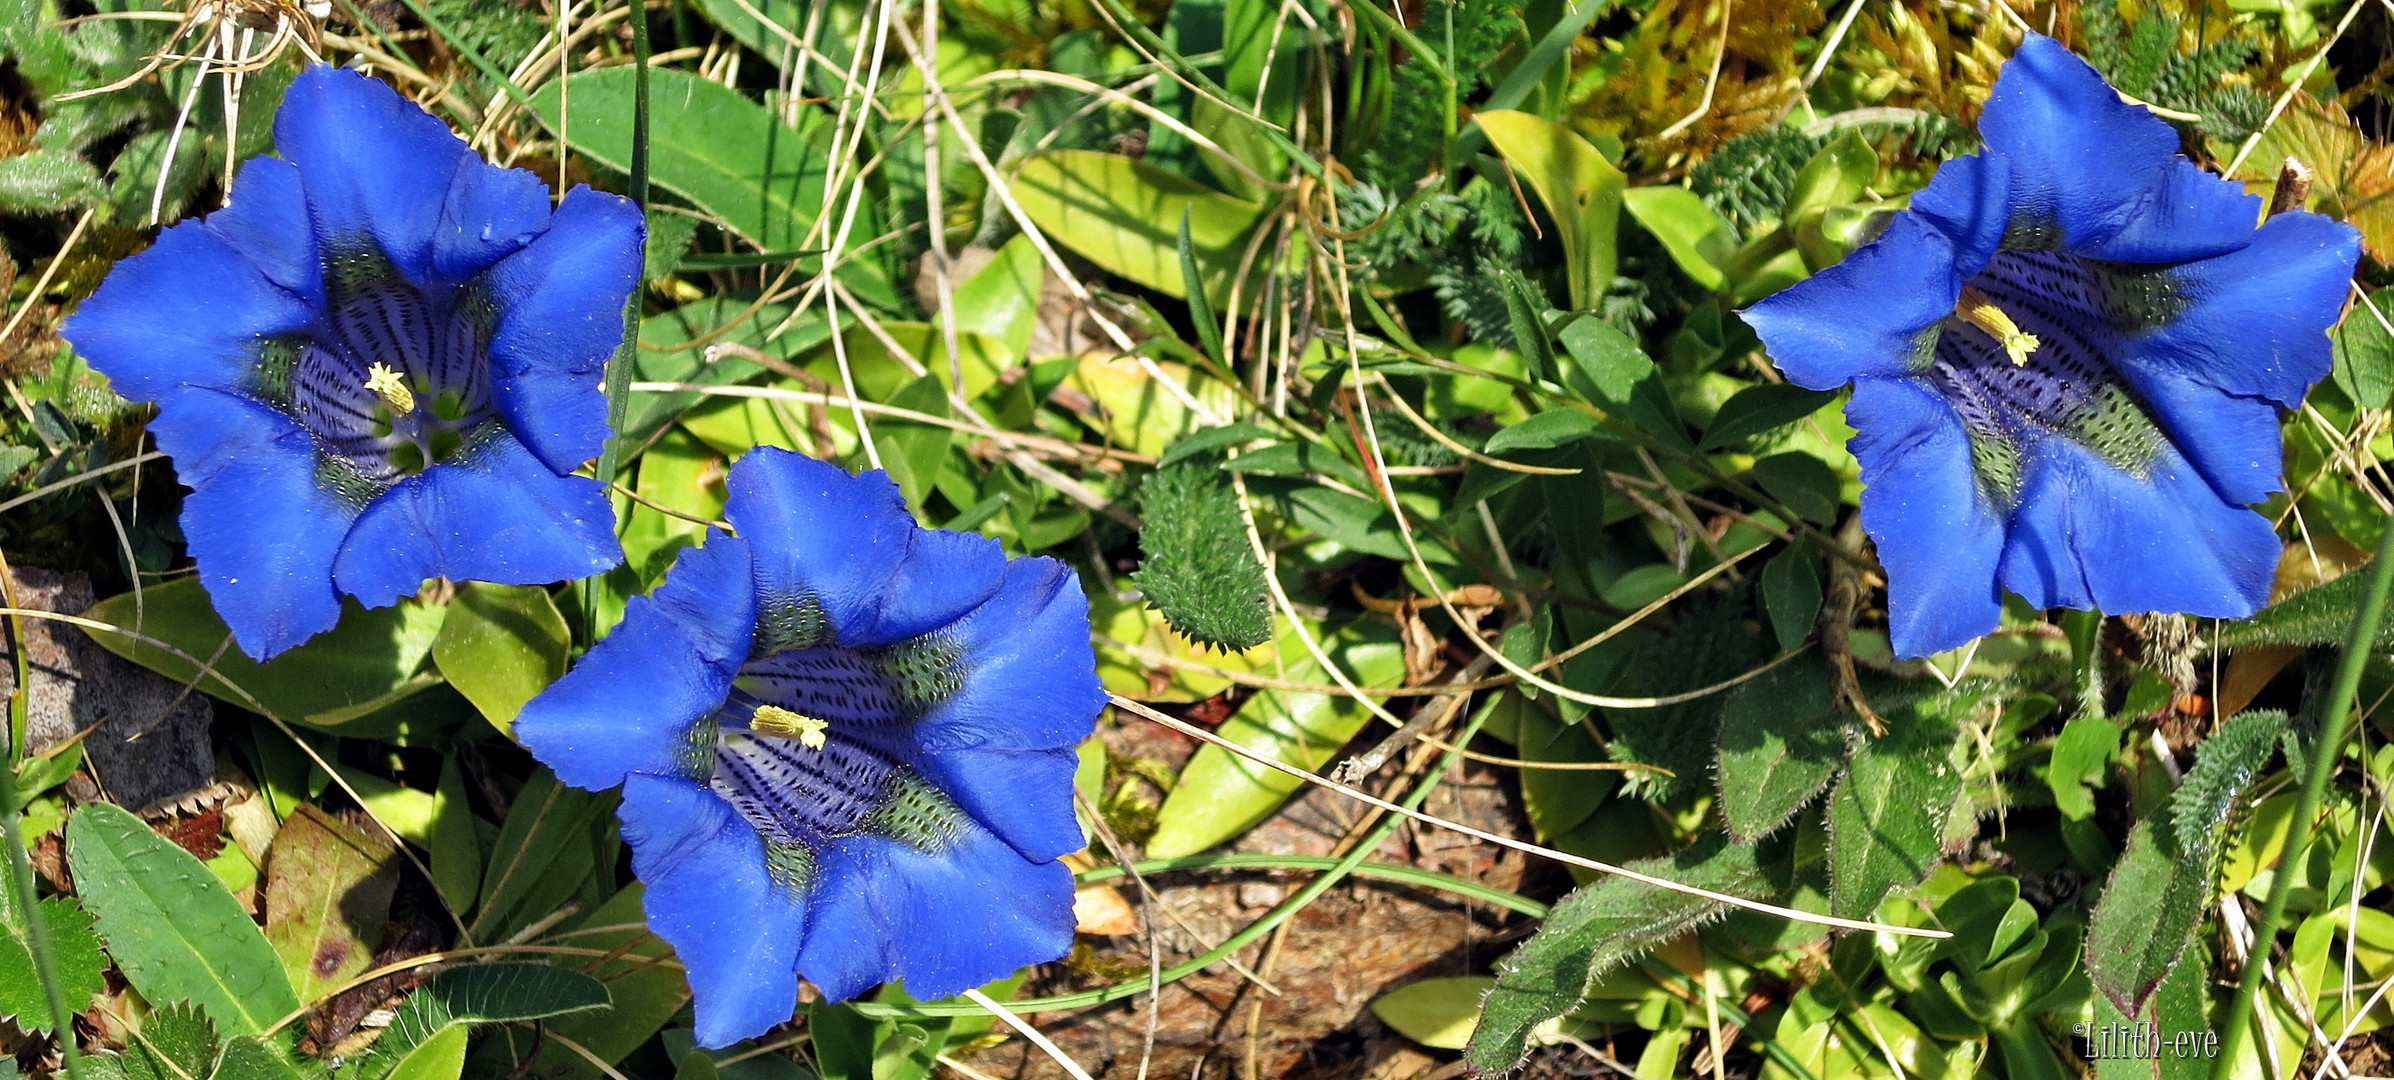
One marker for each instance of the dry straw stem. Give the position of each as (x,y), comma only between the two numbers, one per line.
(1202,735)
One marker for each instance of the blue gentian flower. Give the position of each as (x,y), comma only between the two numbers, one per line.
(378,365)
(2068,358)
(846,745)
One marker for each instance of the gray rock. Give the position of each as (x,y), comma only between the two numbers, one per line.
(149,739)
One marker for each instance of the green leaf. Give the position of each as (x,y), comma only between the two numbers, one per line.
(1209,328)
(48,181)
(1523,304)
(1197,567)
(2320,615)
(371,660)
(455,844)
(1805,483)
(441,1057)
(328,892)
(1791,593)
(1887,817)
(1210,439)
(254,1057)
(1581,190)
(1221,794)
(2081,758)
(2154,903)
(500,645)
(1543,431)
(74,957)
(1595,929)
(1605,358)
(1698,240)
(1555,800)
(1124,215)
(1782,738)
(173,929)
(646,994)
(491,993)
(729,156)
(1001,299)
(1757,409)
(548,852)
(177,1041)
(1437,1013)
(912,451)
(2365,352)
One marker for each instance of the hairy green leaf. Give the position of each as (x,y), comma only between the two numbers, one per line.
(177,1041)
(1782,737)
(1887,817)
(1198,568)
(74,956)
(1598,928)
(174,930)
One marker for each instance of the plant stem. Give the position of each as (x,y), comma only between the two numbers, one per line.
(2325,751)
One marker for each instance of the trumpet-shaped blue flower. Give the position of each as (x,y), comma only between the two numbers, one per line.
(845,744)
(2068,358)
(379,364)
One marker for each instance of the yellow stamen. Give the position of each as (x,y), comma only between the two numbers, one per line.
(386,383)
(777,721)
(1979,311)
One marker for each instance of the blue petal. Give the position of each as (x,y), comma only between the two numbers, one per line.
(629,705)
(560,304)
(2254,322)
(2107,174)
(710,896)
(1030,685)
(491,513)
(1936,534)
(489,214)
(376,167)
(944,922)
(1873,314)
(945,574)
(267,221)
(2087,535)
(848,542)
(263,531)
(1970,201)
(2233,441)
(190,311)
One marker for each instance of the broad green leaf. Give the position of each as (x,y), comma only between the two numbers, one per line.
(1136,412)
(679,472)
(328,892)
(372,659)
(1556,800)
(173,929)
(549,852)
(455,844)
(1437,1013)
(1806,484)
(721,319)
(1544,431)
(500,645)
(1580,189)
(1698,240)
(1221,794)
(47,181)
(177,1041)
(1757,409)
(1886,818)
(2181,1004)
(1000,300)
(1595,929)
(2365,352)
(983,358)
(461,997)
(911,451)
(1610,363)
(707,143)
(1124,215)
(1791,593)
(1782,738)
(645,993)
(2154,903)
(2082,756)
(74,957)
(441,1057)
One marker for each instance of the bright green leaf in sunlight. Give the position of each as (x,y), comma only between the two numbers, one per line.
(1124,215)
(1580,189)
(1437,1013)
(501,645)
